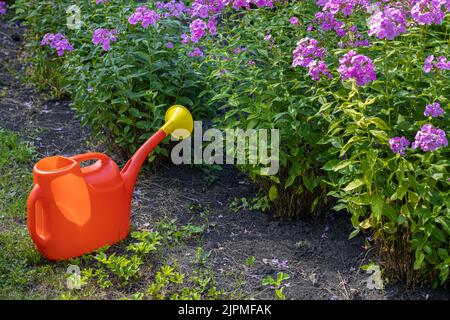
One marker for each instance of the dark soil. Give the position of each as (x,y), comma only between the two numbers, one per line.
(321,261)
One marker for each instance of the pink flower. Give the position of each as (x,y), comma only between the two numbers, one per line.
(104,37)
(144,16)
(58,42)
(185,38)
(2,8)
(399,145)
(198,29)
(196,52)
(293,20)
(358,67)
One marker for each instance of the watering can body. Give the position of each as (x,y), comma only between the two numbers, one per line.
(74,210)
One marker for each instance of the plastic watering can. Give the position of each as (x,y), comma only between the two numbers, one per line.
(74,210)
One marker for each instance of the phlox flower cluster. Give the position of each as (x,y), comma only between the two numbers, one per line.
(346,7)
(104,37)
(439,63)
(355,39)
(399,145)
(199,29)
(196,52)
(173,8)
(433,110)
(2,7)
(358,67)
(58,42)
(327,22)
(428,11)
(429,139)
(204,8)
(388,24)
(309,55)
(144,16)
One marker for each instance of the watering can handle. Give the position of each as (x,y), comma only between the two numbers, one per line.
(35,195)
(90,156)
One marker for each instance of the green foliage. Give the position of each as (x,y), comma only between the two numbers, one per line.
(271,95)
(148,242)
(250,261)
(19,261)
(403,201)
(277,284)
(125,92)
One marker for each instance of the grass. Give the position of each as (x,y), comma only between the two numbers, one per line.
(153,264)
(21,266)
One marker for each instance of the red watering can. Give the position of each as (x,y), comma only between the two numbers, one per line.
(74,210)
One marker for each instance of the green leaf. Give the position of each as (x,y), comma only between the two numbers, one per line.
(273,193)
(376,205)
(353,185)
(379,134)
(420,256)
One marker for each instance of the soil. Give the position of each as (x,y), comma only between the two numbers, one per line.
(321,261)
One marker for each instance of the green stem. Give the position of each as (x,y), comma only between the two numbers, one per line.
(386,80)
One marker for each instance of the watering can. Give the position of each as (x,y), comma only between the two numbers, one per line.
(73,210)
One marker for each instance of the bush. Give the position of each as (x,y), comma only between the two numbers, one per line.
(125,90)
(349,85)
(358,89)
(256,86)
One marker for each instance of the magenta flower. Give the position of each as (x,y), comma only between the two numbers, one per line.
(239,50)
(2,8)
(306,51)
(317,68)
(430,64)
(358,67)
(428,12)
(346,7)
(212,26)
(309,55)
(204,8)
(196,52)
(327,22)
(173,8)
(185,38)
(433,110)
(388,23)
(355,39)
(144,16)
(294,20)
(104,37)
(58,42)
(399,145)
(169,45)
(101,1)
(238,4)
(198,29)
(429,139)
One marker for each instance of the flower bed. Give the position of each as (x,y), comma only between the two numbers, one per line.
(358,90)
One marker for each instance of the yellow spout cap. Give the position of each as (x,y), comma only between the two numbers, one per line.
(179,122)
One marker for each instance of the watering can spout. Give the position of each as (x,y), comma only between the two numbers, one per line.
(178,122)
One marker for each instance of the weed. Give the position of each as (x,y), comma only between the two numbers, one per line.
(277,284)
